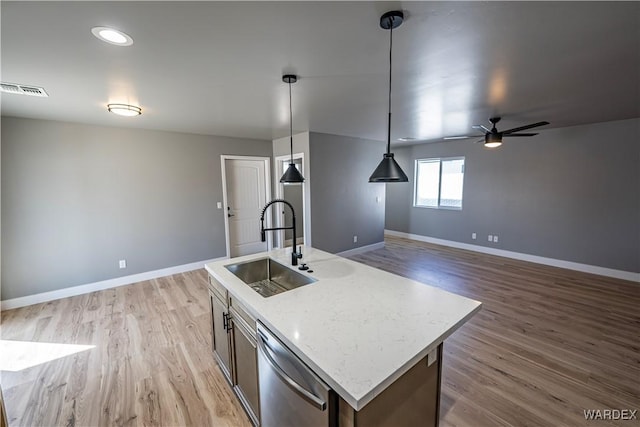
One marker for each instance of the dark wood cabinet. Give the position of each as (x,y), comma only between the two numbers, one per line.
(412,400)
(233,336)
(221,340)
(245,365)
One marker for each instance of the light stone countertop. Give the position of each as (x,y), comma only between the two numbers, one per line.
(357,327)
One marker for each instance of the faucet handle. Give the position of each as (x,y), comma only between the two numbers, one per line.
(295,256)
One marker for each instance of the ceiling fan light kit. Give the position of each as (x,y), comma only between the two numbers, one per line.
(389,170)
(492,140)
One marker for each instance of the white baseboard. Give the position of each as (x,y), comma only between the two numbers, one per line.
(99,286)
(362,249)
(586,268)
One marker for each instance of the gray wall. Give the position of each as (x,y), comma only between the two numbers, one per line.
(343,202)
(570,193)
(77,198)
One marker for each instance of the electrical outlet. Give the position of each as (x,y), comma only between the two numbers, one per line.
(473,236)
(355,239)
(123,263)
(490,238)
(495,239)
(219,205)
(377,199)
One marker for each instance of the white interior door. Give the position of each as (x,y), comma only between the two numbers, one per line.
(246,195)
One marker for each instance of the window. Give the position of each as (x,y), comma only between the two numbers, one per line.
(438,183)
(297,162)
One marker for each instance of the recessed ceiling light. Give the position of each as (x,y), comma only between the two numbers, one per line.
(124,110)
(406,138)
(112,36)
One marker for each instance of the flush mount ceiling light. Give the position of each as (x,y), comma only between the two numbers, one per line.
(292,175)
(112,36)
(389,170)
(124,110)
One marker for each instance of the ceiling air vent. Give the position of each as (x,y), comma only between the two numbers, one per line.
(23,89)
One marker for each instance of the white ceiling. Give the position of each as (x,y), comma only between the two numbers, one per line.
(216,67)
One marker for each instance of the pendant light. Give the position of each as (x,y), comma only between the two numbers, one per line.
(292,175)
(389,170)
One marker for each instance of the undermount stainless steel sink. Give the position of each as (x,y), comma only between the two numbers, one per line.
(268,277)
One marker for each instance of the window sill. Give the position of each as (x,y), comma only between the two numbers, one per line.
(444,208)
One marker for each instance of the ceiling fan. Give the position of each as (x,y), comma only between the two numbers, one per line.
(493,138)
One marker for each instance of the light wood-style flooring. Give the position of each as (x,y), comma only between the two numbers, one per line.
(548,344)
(151,365)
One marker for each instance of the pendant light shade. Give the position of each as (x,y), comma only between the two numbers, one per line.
(292,175)
(389,170)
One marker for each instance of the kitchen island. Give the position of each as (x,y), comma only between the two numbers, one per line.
(372,336)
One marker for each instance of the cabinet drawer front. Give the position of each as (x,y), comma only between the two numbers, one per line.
(217,288)
(241,311)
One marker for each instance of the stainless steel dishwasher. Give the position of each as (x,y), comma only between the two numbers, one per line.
(291,395)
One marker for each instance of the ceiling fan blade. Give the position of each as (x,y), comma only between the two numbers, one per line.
(534,125)
(484,128)
(457,137)
(462,136)
(520,134)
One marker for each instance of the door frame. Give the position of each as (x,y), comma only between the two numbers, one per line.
(267,183)
(280,195)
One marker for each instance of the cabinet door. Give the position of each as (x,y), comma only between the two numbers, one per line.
(246,369)
(221,347)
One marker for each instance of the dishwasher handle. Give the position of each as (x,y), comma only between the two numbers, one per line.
(301,391)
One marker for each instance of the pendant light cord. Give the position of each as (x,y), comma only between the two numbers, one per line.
(390,50)
(290,123)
